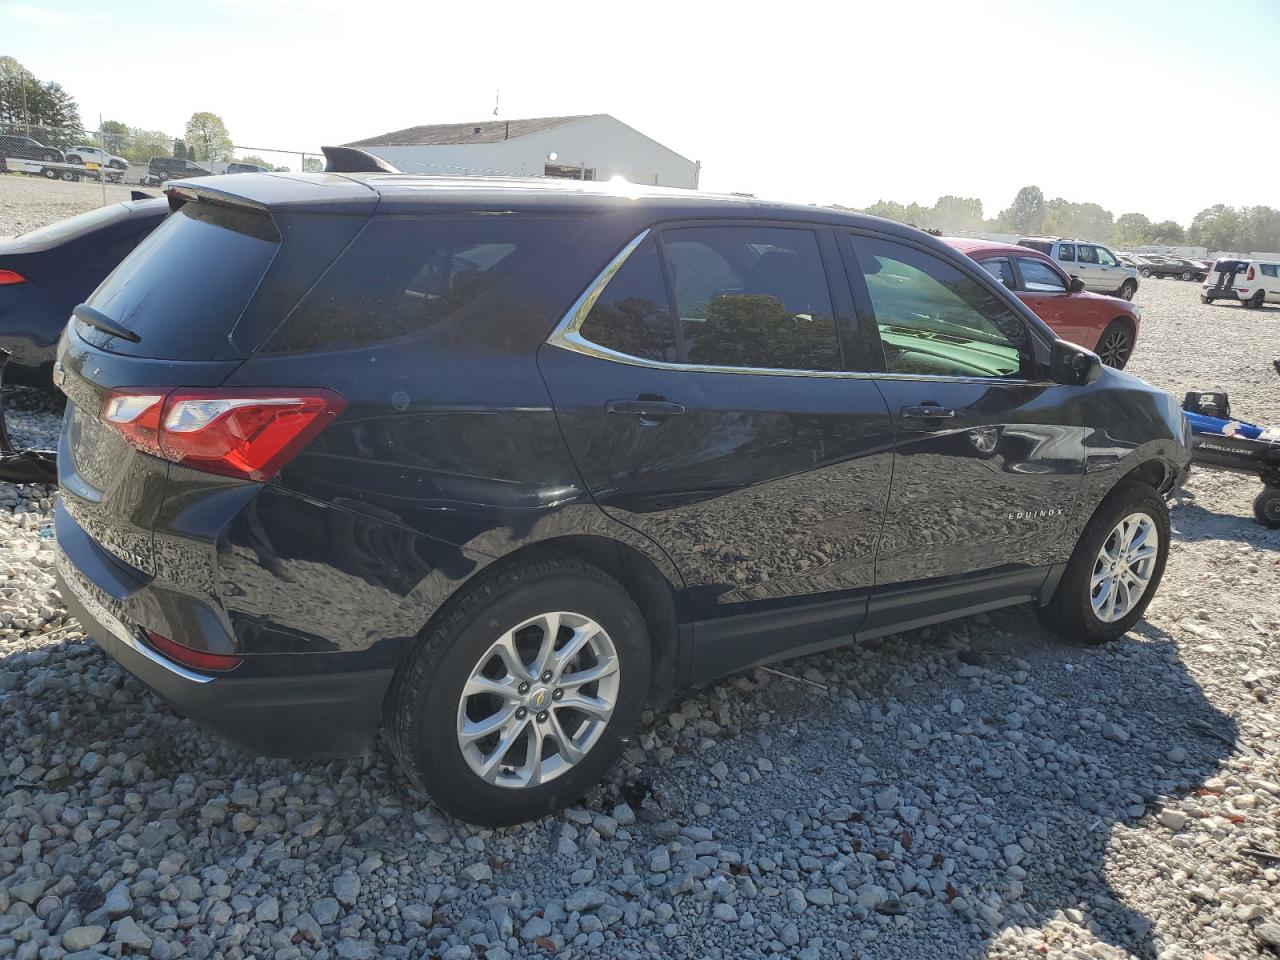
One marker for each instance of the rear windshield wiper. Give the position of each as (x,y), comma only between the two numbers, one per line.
(99,320)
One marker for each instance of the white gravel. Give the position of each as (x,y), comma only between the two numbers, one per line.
(973,790)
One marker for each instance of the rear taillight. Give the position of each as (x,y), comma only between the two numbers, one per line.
(195,659)
(1249,275)
(8,277)
(248,433)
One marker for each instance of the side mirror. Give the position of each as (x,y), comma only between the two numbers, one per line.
(1073,365)
(1076,285)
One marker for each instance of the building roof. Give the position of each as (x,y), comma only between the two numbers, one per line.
(483,131)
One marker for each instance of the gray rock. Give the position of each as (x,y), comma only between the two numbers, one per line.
(478,872)
(588,898)
(325,910)
(347,888)
(82,938)
(535,927)
(356,950)
(129,934)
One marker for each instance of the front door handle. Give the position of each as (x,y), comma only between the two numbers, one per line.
(927,411)
(652,410)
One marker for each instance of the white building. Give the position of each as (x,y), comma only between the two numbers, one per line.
(592,147)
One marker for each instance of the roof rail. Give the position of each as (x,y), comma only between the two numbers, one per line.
(353,160)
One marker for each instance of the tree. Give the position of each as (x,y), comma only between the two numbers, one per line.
(141,145)
(1026,213)
(312,164)
(1259,230)
(207,137)
(255,159)
(1216,227)
(114,136)
(1132,229)
(957,213)
(180,151)
(45,111)
(1087,221)
(1167,231)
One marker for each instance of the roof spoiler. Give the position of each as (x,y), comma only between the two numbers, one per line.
(353,160)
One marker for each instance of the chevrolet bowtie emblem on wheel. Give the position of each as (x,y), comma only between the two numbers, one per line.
(540,699)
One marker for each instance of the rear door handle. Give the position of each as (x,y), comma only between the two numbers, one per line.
(927,411)
(644,409)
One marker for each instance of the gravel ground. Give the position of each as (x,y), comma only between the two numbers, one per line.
(973,790)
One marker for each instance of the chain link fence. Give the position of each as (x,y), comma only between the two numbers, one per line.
(109,162)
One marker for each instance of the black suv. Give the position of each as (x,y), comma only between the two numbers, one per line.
(492,464)
(162,169)
(24,148)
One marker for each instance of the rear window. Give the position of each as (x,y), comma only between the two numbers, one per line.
(1041,245)
(403,275)
(184,287)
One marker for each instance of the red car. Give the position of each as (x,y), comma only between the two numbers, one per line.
(1106,325)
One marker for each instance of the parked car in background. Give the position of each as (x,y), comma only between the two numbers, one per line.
(46,272)
(1197,268)
(113,165)
(1106,325)
(345,453)
(24,148)
(162,169)
(1250,282)
(1099,268)
(1161,267)
(238,167)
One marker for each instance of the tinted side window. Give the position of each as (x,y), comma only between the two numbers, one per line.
(1067,251)
(1039,277)
(1087,254)
(934,319)
(1270,270)
(404,275)
(998,268)
(632,315)
(752,297)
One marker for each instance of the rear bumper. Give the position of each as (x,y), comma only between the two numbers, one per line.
(284,705)
(1219,293)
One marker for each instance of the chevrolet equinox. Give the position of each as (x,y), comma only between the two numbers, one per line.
(489,465)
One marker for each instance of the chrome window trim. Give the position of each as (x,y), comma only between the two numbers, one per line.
(567,336)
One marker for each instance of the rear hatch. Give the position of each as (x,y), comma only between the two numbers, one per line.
(195,299)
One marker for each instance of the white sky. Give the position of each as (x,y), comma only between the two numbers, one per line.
(1160,107)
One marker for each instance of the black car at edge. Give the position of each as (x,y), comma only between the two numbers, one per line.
(492,465)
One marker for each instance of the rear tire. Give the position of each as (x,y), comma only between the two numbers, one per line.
(1266,507)
(1258,300)
(1123,527)
(1128,289)
(1185,275)
(1145,273)
(461,677)
(1204,299)
(1115,346)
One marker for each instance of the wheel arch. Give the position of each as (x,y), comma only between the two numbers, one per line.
(659,600)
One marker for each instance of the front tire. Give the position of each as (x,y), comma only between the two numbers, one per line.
(1115,569)
(1145,273)
(1128,289)
(1185,275)
(1116,344)
(522,693)
(1266,507)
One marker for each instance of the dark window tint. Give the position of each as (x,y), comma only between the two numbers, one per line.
(185,286)
(935,319)
(1039,277)
(1270,270)
(401,276)
(998,268)
(752,297)
(1067,252)
(1087,254)
(632,315)
(1043,246)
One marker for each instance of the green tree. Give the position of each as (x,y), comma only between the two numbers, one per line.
(180,151)
(953,213)
(887,209)
(45,111)
(254,158)
(1026,213)
(1216,227)
(1167,232)
(141,145)
(114,136)
(1088,221)
(207,137)
(312,164)
(1132,229)
(1259,230)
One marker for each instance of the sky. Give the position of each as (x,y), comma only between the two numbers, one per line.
(1161,107)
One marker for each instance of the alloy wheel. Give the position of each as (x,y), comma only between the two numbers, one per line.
(1123,568)
(538,700)
(1115,349)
